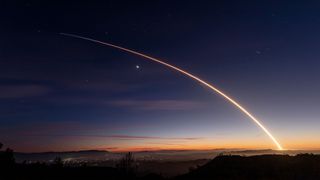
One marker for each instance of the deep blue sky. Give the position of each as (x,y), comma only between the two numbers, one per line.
(59,93)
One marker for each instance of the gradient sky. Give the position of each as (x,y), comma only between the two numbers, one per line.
(59,93)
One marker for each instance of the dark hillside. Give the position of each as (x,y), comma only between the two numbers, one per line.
(304,166)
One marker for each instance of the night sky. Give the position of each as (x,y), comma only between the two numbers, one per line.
(59,93)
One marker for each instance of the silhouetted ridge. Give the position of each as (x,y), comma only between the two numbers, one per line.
(303,166)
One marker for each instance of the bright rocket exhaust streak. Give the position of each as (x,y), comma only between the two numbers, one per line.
(189,75)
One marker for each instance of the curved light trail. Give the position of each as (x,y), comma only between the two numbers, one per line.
(191,76)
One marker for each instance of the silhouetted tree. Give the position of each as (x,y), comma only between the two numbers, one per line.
(127,164)
(57,162)
(6,159)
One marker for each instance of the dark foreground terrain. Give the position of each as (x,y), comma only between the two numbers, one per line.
(302,166)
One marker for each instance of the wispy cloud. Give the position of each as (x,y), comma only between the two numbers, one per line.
(56,128)
(162,104)
(154,137)
(164,143)
(21,91)
(157,104)
(120,137)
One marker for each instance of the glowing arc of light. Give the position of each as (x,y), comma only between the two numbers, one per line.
(189,75)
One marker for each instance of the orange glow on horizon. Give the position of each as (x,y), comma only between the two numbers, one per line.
(136,146)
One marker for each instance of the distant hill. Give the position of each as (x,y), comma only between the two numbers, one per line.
(161,155)
(68,155)
(269,151)
(302,166)
(95,155)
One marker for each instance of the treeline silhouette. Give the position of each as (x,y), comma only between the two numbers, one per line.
(6,158)
(301,166)
(9,169)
